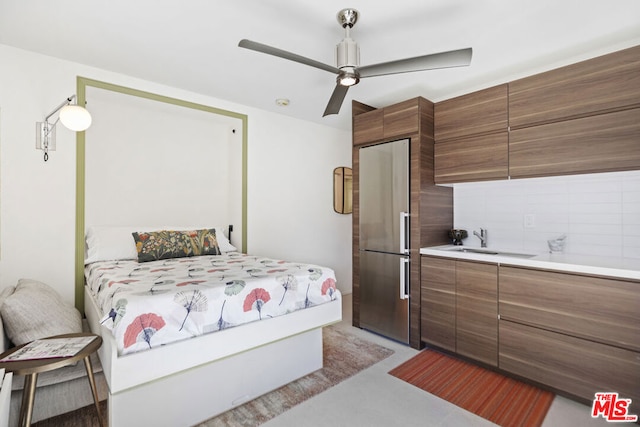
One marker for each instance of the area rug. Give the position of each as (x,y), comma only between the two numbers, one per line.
(497,398)
(344,356)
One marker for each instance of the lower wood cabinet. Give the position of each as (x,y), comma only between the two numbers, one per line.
(574,332)
(459,307)
(438,302)
(574,365)
(477,311)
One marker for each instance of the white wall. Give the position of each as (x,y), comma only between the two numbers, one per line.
(600,213)
(290,213)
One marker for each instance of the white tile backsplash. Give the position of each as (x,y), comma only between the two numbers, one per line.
(599,213)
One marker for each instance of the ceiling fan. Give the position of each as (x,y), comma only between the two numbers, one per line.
(348,66)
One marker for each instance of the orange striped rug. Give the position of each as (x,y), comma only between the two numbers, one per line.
(492,396)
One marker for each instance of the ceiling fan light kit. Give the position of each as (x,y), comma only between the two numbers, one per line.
(348,68)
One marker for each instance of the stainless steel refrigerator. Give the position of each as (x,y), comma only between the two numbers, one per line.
(384,239)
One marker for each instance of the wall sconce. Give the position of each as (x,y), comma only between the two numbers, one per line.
(72,116)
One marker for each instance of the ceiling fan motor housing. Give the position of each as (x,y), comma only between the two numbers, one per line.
(347,53)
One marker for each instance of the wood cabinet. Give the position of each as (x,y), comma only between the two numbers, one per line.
(594,308)
(368,127)
(477,311)
(471,137)
(438,302)
(603,84)
(476,158)
(431,206)
(577,333)
(476,113)
(573,365)
(385,124)
(602,143)
(460,307)
(581,118)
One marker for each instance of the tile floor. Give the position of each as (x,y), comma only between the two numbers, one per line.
(375,398)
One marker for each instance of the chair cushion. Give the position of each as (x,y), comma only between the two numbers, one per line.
(35,310)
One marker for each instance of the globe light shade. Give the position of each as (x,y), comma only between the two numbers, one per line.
(75,118)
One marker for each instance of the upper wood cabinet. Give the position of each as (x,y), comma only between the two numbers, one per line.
(398,120)
(606,83)
(602,143)
(401,119)
(471,137)
(476,113)
(475,158)
(368,127)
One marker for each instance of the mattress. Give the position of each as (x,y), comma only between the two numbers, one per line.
(155,303)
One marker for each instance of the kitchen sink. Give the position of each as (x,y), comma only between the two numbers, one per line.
(489,252)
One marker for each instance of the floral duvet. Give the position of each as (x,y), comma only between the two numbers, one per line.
(158,302)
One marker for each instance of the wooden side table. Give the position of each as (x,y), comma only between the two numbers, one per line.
(31,368)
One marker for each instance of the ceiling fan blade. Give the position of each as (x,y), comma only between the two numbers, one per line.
(453,58)
(269,50)
(335,102)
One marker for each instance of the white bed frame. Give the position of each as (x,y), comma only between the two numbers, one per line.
(187,382)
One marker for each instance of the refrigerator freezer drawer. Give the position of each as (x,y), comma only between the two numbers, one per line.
(384,287)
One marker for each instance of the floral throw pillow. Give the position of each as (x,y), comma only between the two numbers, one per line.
(166,244)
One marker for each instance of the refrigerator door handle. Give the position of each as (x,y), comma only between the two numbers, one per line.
(404,278)
(404,239)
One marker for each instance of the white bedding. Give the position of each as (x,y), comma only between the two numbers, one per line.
(155,303)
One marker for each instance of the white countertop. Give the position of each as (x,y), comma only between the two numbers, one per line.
(628,268)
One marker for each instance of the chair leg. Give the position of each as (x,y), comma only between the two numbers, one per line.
(28,393)
(94,389)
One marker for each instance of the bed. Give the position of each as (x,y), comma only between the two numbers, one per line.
(193,333)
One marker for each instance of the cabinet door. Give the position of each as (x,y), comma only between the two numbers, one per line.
(577,366)
(603,143)
(438,302)
(593,308)
(477,311)
(606,83)
(472,159)
(401,119)
(368,127)
(484,111)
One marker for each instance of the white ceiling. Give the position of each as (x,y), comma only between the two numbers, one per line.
(192,44)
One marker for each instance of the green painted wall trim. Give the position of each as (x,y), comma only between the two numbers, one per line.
(81,91)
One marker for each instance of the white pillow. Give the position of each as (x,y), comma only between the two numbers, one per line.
(110,243)
(35,310)
(223,242)
(105,243)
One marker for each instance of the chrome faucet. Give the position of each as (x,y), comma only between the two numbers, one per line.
(482,236)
